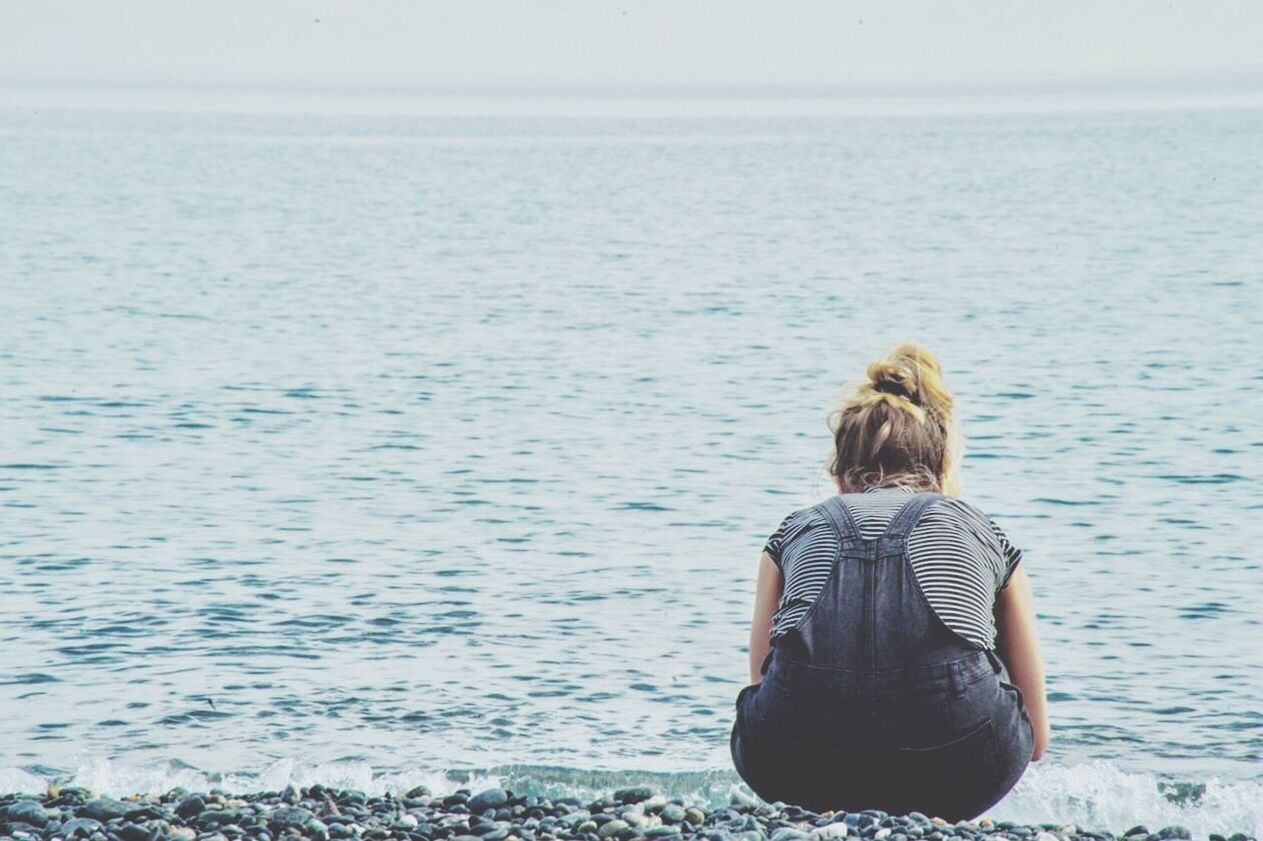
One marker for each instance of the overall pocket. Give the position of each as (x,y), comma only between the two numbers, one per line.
(1016,692)
(954,780)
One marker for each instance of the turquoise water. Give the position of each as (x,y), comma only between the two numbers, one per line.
(382,449)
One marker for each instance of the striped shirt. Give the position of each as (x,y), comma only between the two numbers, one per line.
(961,559)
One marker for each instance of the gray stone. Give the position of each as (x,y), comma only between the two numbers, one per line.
(284,817)
(633,817)
(105,809)
(1174,831)
(27,812)
(492,798)
(831,830)
(190,806)
(220,817)
(673,813)
(633,794)
(80,826)
(612,828)
(133,832)
(662,831)
(788,833)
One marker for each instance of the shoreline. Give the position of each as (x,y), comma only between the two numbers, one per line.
(321,813)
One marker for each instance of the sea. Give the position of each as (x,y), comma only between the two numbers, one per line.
(384,445)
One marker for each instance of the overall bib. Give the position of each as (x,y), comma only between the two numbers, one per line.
(872,702)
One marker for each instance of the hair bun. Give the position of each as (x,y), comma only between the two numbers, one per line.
(893,379)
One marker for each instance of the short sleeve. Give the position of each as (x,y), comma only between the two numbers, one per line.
(1012,554)
(777,541)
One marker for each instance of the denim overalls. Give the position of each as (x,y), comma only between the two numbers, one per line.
(871,702)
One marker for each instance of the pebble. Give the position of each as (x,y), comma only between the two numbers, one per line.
(287,816)
(673,813)
(29,812)
(788,833)
(634,813)
(104,809)
(612,828)
(133,832)
(492,798)
(83,826)
(634,794)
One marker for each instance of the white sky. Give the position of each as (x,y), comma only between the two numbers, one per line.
(596,42)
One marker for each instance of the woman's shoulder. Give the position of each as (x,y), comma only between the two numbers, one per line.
(950,509)
(793,527)
(965,519)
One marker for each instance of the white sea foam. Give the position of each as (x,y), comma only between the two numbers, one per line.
(1093,795)
(1099,794)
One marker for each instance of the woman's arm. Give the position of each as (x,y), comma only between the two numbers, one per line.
(767,596)
(1018,642)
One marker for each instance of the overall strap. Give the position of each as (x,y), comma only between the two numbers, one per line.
(840,517)
(907,516)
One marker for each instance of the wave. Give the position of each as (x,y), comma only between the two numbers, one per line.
(1095,795)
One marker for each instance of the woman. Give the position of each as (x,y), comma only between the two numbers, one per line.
(893,649)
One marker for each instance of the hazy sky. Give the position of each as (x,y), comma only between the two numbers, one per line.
(686,42)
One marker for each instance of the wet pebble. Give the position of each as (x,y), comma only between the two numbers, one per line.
(492,798)
(84,827)
(29,812)
(287,816)
(636,813)
(104,809)
(612,828)
(672,813)
(634,794)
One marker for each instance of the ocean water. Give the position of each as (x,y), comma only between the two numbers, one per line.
(381,450)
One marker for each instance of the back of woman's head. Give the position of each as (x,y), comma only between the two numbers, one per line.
(898,427)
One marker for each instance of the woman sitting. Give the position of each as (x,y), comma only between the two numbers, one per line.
(893,650)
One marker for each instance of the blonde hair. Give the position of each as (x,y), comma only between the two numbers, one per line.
(898,427)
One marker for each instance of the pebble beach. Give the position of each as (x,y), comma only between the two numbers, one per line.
(629,814)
